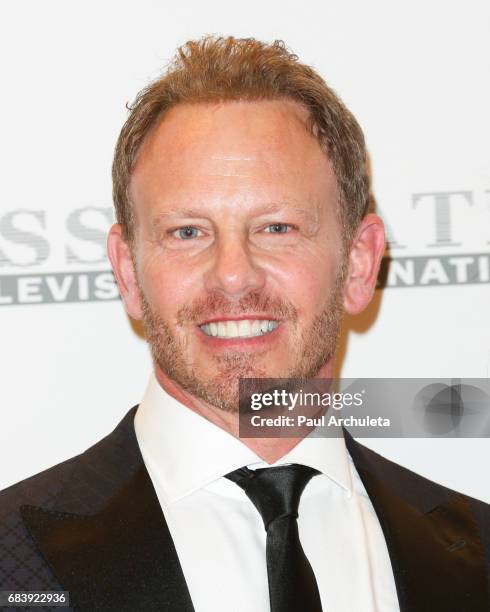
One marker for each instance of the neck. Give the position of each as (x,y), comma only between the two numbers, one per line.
(269,450)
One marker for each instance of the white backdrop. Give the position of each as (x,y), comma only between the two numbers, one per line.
(415,74)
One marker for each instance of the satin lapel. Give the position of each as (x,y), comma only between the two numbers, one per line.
(122,558)
(435,549)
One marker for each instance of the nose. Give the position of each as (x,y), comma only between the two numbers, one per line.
(233,270)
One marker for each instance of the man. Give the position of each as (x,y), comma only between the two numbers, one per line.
(241,190)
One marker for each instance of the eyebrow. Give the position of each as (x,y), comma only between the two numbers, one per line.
(265,209)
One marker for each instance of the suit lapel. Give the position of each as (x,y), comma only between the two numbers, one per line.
(119,558)
(432,537)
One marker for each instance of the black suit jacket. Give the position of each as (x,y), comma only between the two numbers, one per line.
(93,526)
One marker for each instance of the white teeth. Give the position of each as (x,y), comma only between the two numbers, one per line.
(231,329)
(256,328)
(245,328)
(221,329)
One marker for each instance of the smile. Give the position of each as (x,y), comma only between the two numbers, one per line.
(245,328)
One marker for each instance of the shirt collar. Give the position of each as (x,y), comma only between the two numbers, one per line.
(187,452)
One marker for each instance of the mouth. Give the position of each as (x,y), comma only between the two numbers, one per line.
(239,328)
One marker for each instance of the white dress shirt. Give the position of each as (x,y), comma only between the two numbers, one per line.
(219,535)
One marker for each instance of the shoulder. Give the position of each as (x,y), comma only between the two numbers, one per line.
(93,469)
(40,489)
(78,485)
(407,484)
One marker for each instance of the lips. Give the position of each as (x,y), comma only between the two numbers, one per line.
(252,316)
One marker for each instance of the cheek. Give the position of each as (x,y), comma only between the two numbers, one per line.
(307,282)
(166,285)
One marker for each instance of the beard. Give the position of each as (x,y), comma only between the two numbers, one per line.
(311,348)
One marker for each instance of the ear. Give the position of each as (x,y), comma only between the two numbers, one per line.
(365,257)
(119,254)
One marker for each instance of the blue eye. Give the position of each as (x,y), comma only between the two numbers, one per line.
(278,228)
(187,232)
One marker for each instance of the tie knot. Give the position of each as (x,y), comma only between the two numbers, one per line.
(275,491)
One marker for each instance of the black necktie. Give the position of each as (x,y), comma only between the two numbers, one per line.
(276,492)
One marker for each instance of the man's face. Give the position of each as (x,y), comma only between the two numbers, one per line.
(237,247)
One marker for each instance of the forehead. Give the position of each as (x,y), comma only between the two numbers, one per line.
(230,144)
